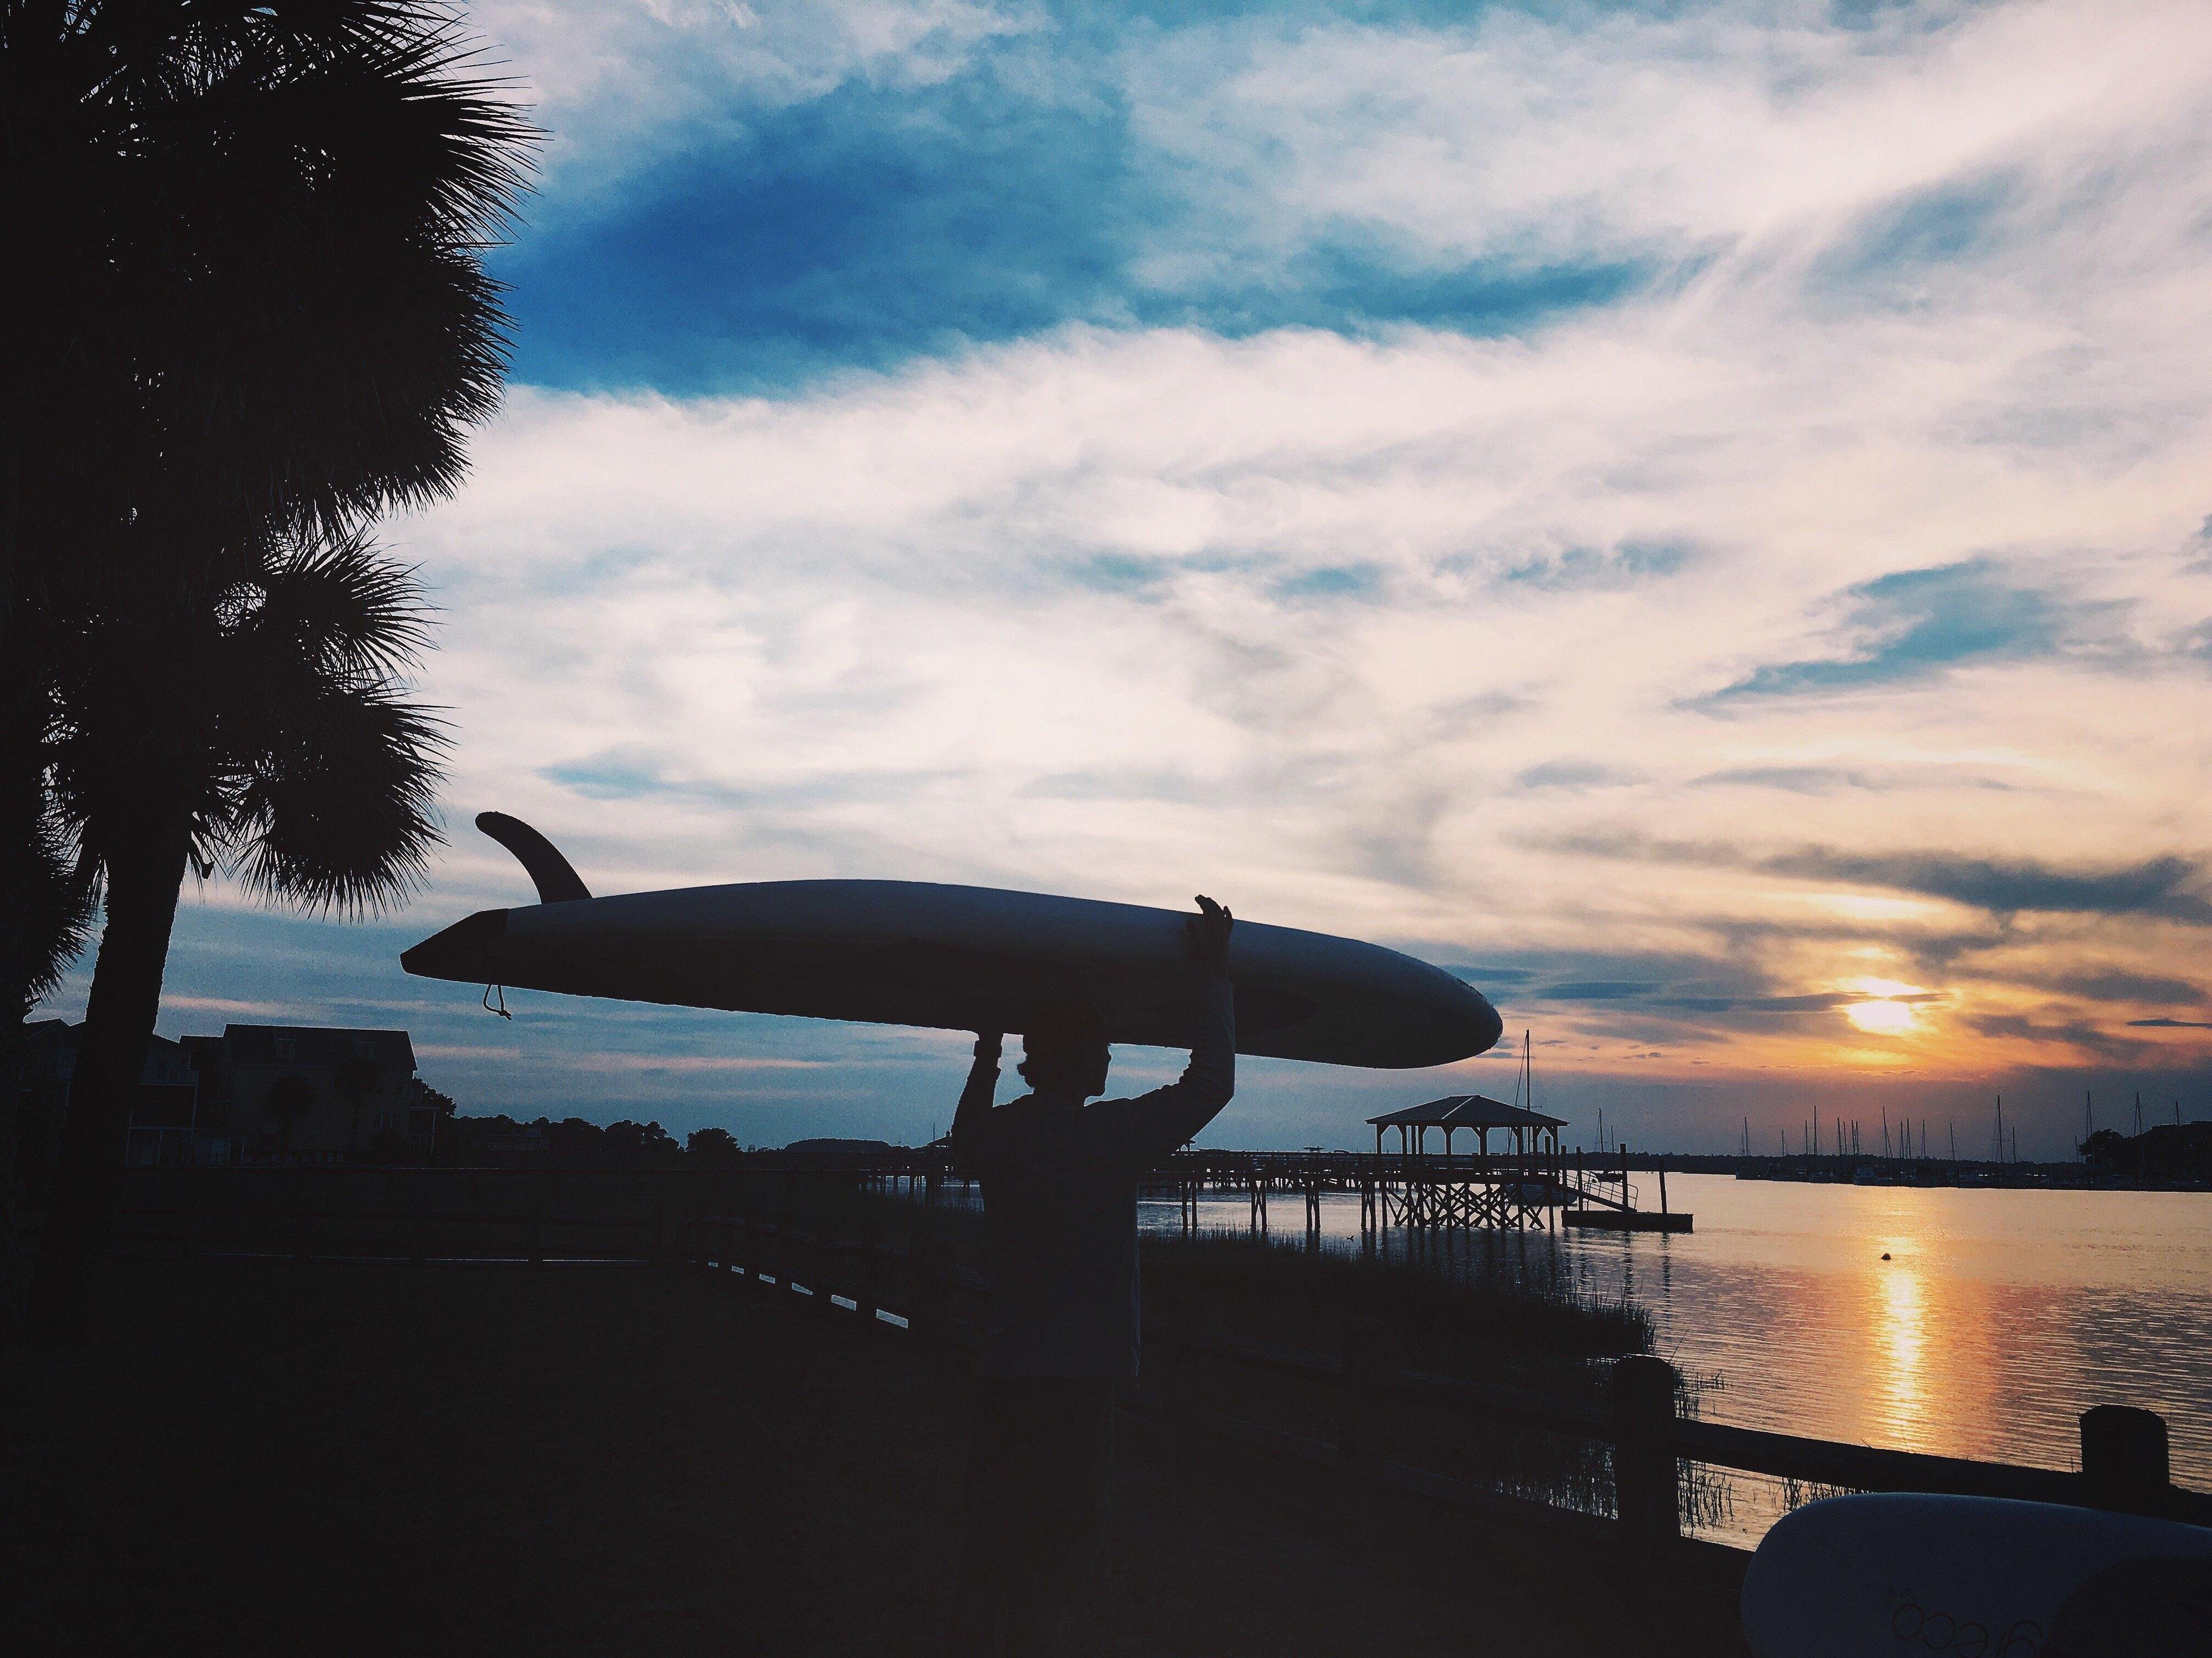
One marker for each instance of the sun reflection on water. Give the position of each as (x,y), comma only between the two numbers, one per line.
(1903,1333)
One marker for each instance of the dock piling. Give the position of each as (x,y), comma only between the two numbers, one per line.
(2125,1461)
(1645,1498)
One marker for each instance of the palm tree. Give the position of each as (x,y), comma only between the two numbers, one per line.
(244,258)
(245,253)
(264,735)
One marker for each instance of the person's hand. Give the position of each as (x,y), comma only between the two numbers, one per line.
(988,1044)
(1206,935)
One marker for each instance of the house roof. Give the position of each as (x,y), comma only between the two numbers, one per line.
(1466,1111)
(59,1036)
(256,1044)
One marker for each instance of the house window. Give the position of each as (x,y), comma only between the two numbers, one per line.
(287,1047)
(364,1048)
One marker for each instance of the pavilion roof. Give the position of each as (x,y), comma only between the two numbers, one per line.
(1466,1111)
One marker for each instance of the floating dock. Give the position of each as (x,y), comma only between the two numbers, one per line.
(1626,1220)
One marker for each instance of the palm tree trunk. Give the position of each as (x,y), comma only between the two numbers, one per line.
(19,813)
(19,816)
(145,873)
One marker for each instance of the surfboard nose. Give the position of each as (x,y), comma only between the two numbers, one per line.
(468,952)
(1486,1025)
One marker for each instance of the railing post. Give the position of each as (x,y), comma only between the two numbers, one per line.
(1643,1466)
(2124,1460)
(767,1249)
(822,1255)
(786,1253)
(867,1292)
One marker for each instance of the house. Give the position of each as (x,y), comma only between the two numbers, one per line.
(164,1119)
(257,1093)
(310,1093)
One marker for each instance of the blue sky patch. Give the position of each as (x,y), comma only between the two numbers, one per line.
(1914,623)
(886,221)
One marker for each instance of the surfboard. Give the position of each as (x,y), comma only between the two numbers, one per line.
(957,958)
(1878,1576)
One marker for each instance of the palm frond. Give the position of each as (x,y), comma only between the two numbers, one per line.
(259,235)
(62,891)
(340,815)
(329,601)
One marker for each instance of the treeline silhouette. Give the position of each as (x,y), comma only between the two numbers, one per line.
(573,1143)
(2169,1154)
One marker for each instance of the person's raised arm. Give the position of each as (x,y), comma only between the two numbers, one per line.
(1171,1116)
(975,1098)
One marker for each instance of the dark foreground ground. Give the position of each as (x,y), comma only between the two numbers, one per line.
(330,1458)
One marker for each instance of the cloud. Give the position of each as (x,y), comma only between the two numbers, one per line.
(2125,987)
(1612,567)
(1596,990)
(1830,780)
(620,83)
(278,1011)
(688,1063)
(1578,775)
(2067,1033)
(1125,784)
(2170,1025)
(2169,887)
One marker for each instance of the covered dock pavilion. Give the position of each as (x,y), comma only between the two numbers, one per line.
(1470,1111)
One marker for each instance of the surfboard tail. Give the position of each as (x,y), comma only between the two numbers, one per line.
(554,875)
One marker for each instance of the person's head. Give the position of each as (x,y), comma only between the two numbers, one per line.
(1064,1049)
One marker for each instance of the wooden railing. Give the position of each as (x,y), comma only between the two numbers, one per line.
(2125,1464)
(416,1235)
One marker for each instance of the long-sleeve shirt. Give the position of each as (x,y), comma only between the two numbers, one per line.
(1060,1203)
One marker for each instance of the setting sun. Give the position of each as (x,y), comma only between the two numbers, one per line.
(1886,1018)
(1891,1010)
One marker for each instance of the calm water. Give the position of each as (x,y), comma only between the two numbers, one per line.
(1998,1318)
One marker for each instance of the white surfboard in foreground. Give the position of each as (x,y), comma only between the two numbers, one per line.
(1880,1576)
(959,958)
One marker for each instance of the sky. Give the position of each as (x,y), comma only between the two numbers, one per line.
(1695,517)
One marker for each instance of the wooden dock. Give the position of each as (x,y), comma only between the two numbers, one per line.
(1424,1192)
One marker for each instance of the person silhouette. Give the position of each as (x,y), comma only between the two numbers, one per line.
(1063,1322)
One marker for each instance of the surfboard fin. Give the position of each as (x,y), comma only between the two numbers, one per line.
(555,879)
